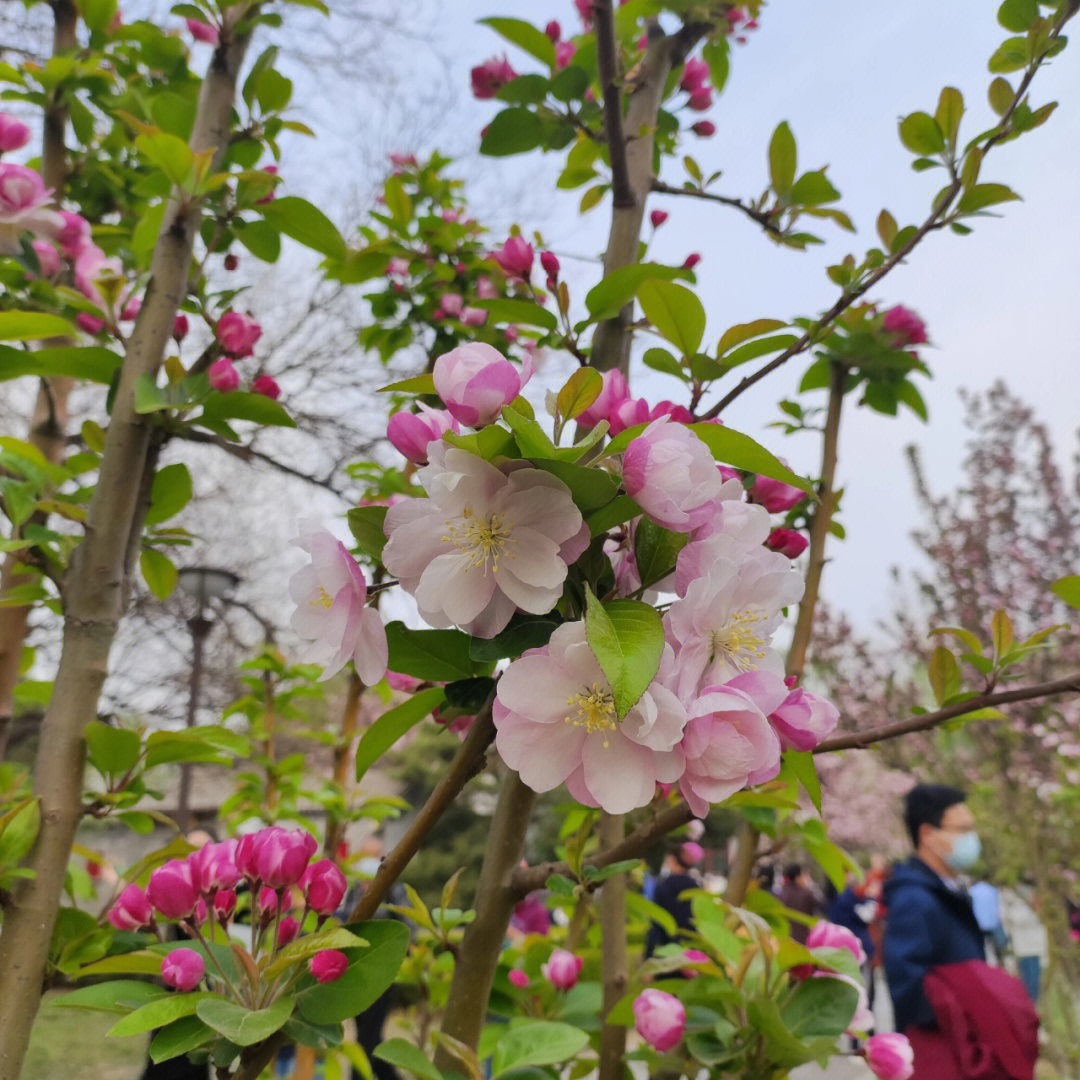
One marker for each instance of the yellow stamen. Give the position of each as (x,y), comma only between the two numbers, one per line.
(738,642)
(325,599)
(482,540)
(595,710)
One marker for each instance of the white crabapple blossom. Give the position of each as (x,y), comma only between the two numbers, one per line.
(556,722)
(484,543)
(330,594)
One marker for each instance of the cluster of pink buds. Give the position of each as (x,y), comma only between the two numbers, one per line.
(695,81)
(237,335)
(615,405)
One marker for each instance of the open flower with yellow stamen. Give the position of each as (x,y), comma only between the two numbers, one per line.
(483,543)
(330,594)
(557,723)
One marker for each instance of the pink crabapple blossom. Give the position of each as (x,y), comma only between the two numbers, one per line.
(889,1056)
(907,327)
(562,969)
(180,327)
(330,594)
(787,542)
(695,75)
(328,965)
(776,496)
(132,909)
(827,935)
(48,257)
(612,394)
(515,257)
(324,886)
(74,235)
(223,376)
(657,218)
(564,53)
(287,930)
(410,433)
(237,334)
(571,733)
(518,978)
(172,890)
(23,199)
(202,31)
(553,30)
(475,382)
(483,543)
(803,719)
(183,969)
(659,1018)
(490,77)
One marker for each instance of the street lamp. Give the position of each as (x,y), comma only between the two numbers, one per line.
(204,584)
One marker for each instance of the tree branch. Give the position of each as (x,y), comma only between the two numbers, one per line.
(760,216)
(622,192)
(612,954)
(859,740)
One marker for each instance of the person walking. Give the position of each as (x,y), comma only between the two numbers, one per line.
(798,893)
(1027,935)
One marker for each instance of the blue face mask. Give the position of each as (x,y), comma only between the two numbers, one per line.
(966,849)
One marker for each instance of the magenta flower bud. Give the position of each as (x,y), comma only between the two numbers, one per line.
(553,30)
(14,134)
(490,77)
(203,32)
(787,542)
(48,257)
(691,260)
(679,413)
(694,956)
(518,978)
(671,475)
(231,262)
(214,867)
(282,855)
(270,170)
(908,328)
(198,916)
(452,303)
(328,965)
(132,909)
(695,75)
(130,311)
(475,381)
(473,316)
(804,719)
(691,853)
(659,1018)
(515,257)
(405,684)
(410,433)
(700,100)
(562,969)
(827,935)
(237,333)
(627,414)
(267,386)
(90,323)
(266,904)
(180,327)
(614,392)
(585,11)
(550,263)
(224,905)
(324,886)
(172,891)
(658,217)
(564,53)
(776,496)
(223,376)
(287,930)
(183,969)
(704,129)
(889,1056)
(75,233)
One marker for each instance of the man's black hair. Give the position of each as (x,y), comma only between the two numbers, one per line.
(792,871)
(926,805)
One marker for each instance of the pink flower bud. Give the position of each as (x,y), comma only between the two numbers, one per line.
(659,1018)
(280,856)
(490,77)
(704,129)
(473,316)
(75,233)
(613,393)
(564,53)
(452,303)
(224,904)
(700,100)
(827,935)
(553,30)
(518,978)
(691,853)
(183,969)
(231,262)
(172,891)
(515,257)
(657,218)
(550,263)
(180,327)
(787,542)
(266,904)
(267,386)
(90,323)
(328,965)
(223,376)
(405,684)
(397,267)
(214,867)
(270,170)
(287,930)
(237,333)
(14,134)
(804,719)
(679,413)
(410,433)
(695,956)
(671,474)
(628,413)
(695,75)
(203,32)
(48,257)
(908,328)
(475,381)
(562,969)
(130,311)
(889,1056)
(132,909)
(585,11)
(776,496)
(691,261)
(486,289)
(198,916)
(324,886)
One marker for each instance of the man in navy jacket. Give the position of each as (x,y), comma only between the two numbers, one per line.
(929,919)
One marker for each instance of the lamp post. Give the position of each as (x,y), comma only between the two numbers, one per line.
(204,584)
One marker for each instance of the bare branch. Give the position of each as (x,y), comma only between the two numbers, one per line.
(760,216)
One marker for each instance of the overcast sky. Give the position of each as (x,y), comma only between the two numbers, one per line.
(998,303)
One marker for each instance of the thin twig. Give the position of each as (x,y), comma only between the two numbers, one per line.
(764,219)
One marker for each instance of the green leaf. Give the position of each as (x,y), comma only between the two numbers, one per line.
(579,392)
(18,831)
(1068,589)
(920,133)
(112,750)
(656,550)
(525,90)
(92,362)
(736,335)
(241,1026)
(982,195)
(489,443)
(675,311)
(306,946)
(366,524)
(139,962)
(1001,95)
(802,765)
(240,405)
(160,1012)
(524,312)
(97,14)
(812,189)
(609,296)
(515,130)
(405,1056)
(570,84)
(820,1008)
(158,572)
(169,494)
(318,1036)
(397,201)
(187,1033)
(371,971)
(760,347)
(418,384)
(591,488)
(525,36)
(627,639)
(661,360)
(117,995)
(536,1042)
(740,451)
(620,509)
(782,159)
(1018,15)
(273,90)
(944,674)
(1011,55)
(260,238)
(435,655)
(529,435)
(393,724)
(950,108)
(307,224)
(169,153)
(523,632)
(1001,632)
(32,325)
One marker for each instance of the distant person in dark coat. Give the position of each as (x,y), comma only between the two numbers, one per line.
(675,879)
(797,892)
(930,921)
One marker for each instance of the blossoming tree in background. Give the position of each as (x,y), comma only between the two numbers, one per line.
(600,588)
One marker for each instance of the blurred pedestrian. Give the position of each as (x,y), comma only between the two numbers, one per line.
(1026,934)
(797,891)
